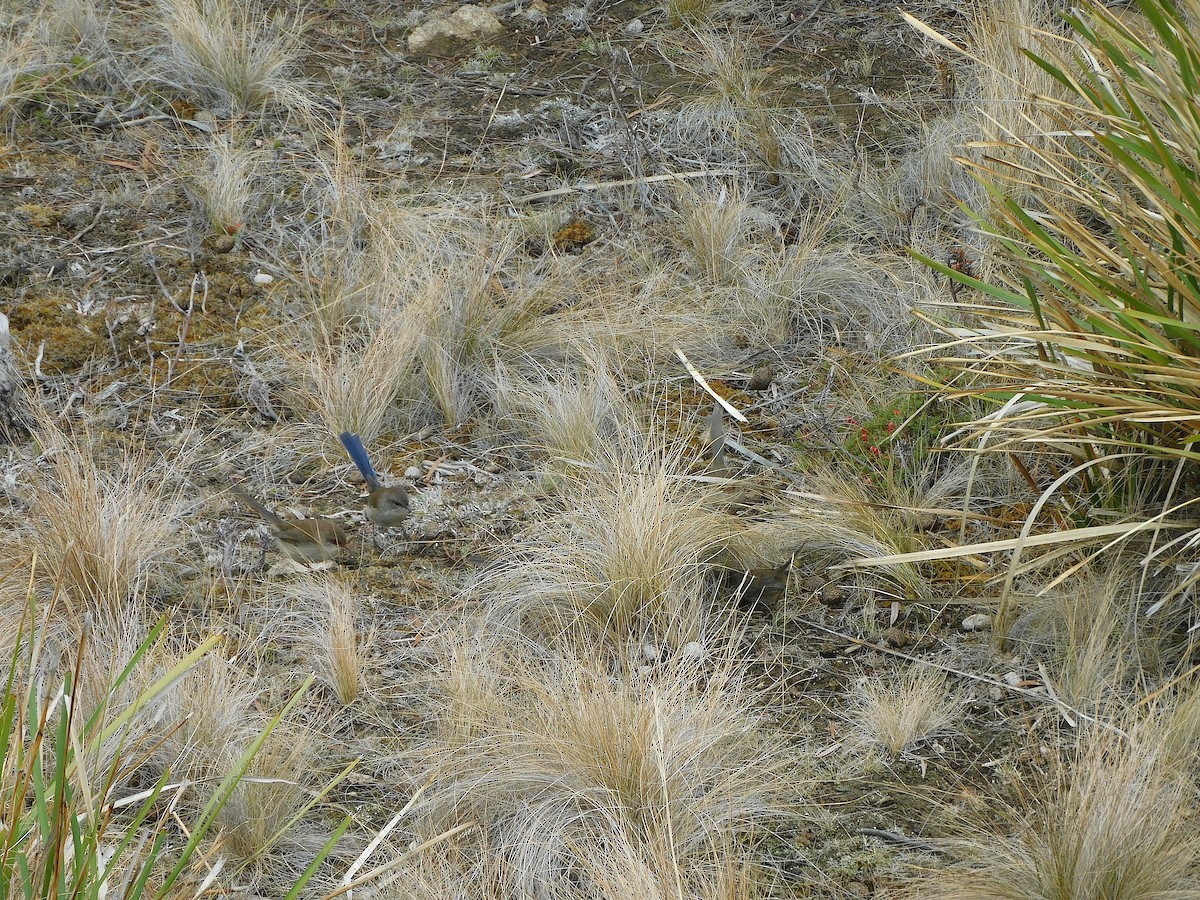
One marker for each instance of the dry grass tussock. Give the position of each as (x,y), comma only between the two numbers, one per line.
(625,557)
(570,414)
(1006,80)
(899,713)
(1083,633)
(439,310)
(332,633)
(21,55)
(234,54)
(577,778)
(222,183)
(1115,821)
(102,531)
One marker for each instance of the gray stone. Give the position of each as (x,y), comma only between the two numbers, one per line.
(465,24)
(977,622)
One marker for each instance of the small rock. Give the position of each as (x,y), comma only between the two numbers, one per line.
(760,379)
(693,650)
(896,637)
(467,23)
(261,278)
(1012,679)
(832,595)
(634,27)
(224,243)
(412,472)
(650,653)
(977,622)
(996,694)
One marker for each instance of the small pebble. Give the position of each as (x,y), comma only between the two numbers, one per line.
(650,653)
(692,650)
(412,472)
(262,278)
(760,379)
(1012,679)
(634,27)
(996,694)
(977,622)
(832,595)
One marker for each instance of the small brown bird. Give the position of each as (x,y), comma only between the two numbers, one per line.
(303,540)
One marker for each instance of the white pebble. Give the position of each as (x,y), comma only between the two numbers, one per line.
(977,622)
(262,278)
(634,27)
(412,472)
(692,650)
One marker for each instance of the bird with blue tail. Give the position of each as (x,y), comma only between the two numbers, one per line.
(386,507)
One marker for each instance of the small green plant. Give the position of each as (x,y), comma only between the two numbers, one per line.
(593,47)
(64,831)
(485,60)
(893,441)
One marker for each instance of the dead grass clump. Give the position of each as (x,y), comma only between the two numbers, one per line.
(1081,632)
(104,533)
(333,635)
(80,24)
(570,416)
(714,221)
(574,774)
(730,120)
(473,321)
(896,715)
(1116,822)
(262,822)
(22,57)
(626,557)
(214,710)
(231,53)
(843,518)
(352,381)
(223,183)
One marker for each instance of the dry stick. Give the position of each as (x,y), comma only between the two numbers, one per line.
(398,861)
(379,838)
(983,679)
(1151,697)
(700,380)
(624,182)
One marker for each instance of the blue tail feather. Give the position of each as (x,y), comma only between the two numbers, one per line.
(358,455)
